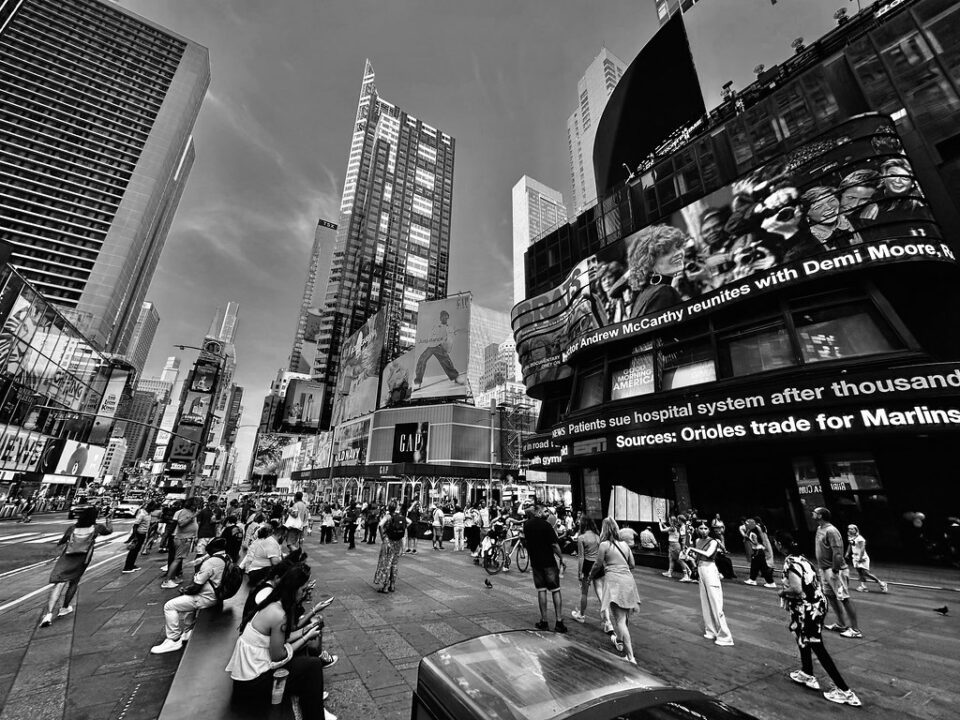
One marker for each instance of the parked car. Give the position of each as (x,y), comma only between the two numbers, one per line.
(523,675)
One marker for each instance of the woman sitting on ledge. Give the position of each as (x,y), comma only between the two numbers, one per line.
(265,644)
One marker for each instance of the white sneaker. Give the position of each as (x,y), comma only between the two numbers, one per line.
(749,582)
(46,620)
(799,676)
(770,585)
(164,568)
(862,588)
(575,614)
(723,643)
(168,584)
(64,611)
(883,587)
(166,646)
(185,636)
(843,697)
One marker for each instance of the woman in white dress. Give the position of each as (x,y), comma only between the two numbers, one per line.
(620,597)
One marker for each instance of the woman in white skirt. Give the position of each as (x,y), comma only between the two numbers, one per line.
(711,593)
(857,556)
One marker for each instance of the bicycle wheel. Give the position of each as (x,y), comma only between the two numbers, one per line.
(493,560)
(523,560)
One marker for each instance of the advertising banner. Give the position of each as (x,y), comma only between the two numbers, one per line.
(846,200)
(20,451)
(269,452)
(195,408)
(397,383)
(302,405)
(410,442)
(185,444)
(103,422)
(356,389)
(204,377)
(350,443)
(80,459)
(442,348)
(913,398)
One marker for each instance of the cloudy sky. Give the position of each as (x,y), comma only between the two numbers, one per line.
(274,132)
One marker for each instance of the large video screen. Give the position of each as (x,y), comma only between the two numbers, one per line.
(839,202)
(356,391)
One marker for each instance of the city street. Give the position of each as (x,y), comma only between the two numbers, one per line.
(96,664)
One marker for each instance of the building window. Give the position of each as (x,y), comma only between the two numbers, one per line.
(589,390)
(690,364)
(427,153)
(756,349)
(633,375)
(417,266)
(840,332)
(422,206)
(425,179)
(420,235)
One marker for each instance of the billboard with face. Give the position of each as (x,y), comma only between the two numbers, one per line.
(442,350)
(302,404)
(80,459)
(356,389)
(842,199)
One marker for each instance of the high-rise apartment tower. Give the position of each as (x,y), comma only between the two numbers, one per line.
(303,356)
(537,210)
(593,90)
(142,338)
(393,239)
(97,107)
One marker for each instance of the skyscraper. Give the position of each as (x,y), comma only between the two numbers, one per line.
(97,107)
(224,325)
(303,356)
(593,89)
(142,338)
(393,239)
(537,210)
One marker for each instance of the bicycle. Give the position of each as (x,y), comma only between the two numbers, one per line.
(497,556)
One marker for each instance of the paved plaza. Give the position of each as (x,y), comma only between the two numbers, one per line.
(96,664)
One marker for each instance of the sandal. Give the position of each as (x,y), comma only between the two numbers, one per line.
(616,642)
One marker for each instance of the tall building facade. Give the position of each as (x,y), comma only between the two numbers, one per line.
(393,240)
(537,210)
(97,107)
(303,355)
(593,89)
(142,338)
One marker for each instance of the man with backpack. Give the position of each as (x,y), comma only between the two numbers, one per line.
(233,535)
(213,582)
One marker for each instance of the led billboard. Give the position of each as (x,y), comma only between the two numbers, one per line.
(356,389)
(397,382)
(80,459)
(269,453)
(840,202)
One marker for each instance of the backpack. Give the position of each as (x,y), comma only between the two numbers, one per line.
(397,527)
(231,580)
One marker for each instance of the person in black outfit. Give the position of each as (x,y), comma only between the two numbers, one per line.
(350,518)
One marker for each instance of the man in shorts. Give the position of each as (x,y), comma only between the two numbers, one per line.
(834,575)
(546,562)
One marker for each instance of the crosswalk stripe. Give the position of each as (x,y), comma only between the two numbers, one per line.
(44,538)
(19,536)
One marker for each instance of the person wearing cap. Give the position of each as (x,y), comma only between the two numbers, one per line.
(834,575)
(180,613)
